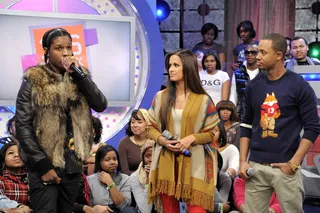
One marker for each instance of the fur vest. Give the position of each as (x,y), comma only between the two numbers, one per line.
(52,96)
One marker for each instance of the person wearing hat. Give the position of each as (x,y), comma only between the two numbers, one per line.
(140,178)
(130,146)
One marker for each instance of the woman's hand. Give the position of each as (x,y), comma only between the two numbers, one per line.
(172,145)
(105,178)
(186,142)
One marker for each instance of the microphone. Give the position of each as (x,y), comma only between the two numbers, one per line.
(77,70)
(251,172)
(168,136)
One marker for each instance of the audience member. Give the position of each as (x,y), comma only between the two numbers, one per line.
(209,32)
(130,146)
(221,192)
(299,51)
(83,203)
(13,175)
(214,81)
(139,180)
(246,33)
(244,74)
(288,55)
(187,112)
(109,187)
(199,56)
(228,115)
(97,135)
(229,152)
(11,129)
(11,206)
(239,198)
(277,105)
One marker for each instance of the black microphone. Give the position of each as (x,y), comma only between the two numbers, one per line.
(168,136)
(251,172)
(79,72)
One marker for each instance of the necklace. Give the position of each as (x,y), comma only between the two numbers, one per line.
(140,144)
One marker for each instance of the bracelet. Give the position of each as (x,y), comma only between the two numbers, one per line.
(110,186)
(221,207)
(229,174)
(20,206)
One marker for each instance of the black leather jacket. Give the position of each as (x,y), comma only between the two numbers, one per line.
(37,161)
(242,78)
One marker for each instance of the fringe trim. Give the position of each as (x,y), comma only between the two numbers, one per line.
(185,192)
(202,199)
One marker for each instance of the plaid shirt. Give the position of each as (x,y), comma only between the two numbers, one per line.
(15,187)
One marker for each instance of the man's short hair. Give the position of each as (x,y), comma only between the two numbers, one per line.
(297,38)
(279,43)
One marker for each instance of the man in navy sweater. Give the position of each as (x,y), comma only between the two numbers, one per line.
(277,105)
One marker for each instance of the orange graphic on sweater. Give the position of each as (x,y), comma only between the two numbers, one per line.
(269,112)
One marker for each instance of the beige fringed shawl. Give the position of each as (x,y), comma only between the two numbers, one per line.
(196,176)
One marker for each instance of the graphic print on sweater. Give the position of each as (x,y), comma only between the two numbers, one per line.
(270,111)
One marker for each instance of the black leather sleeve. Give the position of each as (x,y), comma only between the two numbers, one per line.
(37,161)
(96,100)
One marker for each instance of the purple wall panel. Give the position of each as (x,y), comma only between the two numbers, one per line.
(75,6)
(33,5)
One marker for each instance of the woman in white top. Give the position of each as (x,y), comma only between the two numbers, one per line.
(214,81)
(229,152)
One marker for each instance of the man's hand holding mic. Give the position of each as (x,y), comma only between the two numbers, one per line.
(244,167)
(69,62)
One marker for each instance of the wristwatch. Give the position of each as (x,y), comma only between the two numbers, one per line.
(293,166)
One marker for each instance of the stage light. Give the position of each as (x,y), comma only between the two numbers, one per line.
(163,10)
(311,76)
(314,49)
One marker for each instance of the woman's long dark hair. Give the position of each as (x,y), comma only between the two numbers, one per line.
(191,80)
(223,135)
(48,38)
(101,153)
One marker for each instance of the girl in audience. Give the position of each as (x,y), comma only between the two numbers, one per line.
(229,153)
(221,193)
(228,115)
(214,81)
(140,178)
(109,187)
(209,32)
(130,146)
(239,198)
(246,33)
(13,175)
(97,133)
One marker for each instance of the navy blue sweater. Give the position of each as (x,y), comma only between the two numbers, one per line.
(274,123)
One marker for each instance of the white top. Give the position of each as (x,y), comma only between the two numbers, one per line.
(176,118)
(213,83)
(230,156)
(140,194)
(252,73)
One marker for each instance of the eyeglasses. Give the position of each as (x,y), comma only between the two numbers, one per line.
(252,52)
